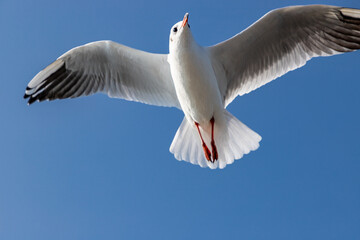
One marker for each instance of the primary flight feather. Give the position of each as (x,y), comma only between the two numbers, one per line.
(202,81)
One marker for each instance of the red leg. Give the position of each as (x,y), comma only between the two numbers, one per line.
(213,146)
(206,149)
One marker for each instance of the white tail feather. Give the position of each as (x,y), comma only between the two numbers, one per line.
(237,139)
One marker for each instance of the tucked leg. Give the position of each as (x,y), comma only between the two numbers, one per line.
(206,149)
(213,146)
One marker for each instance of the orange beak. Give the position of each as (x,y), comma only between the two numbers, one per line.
(186,17)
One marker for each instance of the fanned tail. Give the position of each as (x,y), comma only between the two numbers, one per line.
(233,141)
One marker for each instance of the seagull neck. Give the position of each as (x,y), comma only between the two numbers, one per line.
(184,48)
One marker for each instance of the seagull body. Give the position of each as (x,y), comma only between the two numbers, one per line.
(194,79)
(202,81)
(196,86)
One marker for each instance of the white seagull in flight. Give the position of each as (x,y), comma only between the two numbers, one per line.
(202,81)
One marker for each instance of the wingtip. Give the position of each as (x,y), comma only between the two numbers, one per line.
(31,100)
(26,96)
(350,13)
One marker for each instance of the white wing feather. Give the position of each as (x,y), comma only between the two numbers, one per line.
(107,67)
(281,41)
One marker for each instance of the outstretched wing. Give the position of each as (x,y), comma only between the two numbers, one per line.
(107,67)
(281,41)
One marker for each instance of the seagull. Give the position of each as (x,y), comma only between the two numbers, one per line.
(203,81)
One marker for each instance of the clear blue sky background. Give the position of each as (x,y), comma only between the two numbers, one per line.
(99,168)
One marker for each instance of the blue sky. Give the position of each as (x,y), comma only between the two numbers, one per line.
(99,168)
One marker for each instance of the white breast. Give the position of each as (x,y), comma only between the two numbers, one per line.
(195,83)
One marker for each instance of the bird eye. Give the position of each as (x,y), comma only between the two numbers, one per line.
(175,29)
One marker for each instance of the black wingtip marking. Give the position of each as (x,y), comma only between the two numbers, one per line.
(31,100)
(54,76)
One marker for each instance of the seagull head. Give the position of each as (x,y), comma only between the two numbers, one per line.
(180,33)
